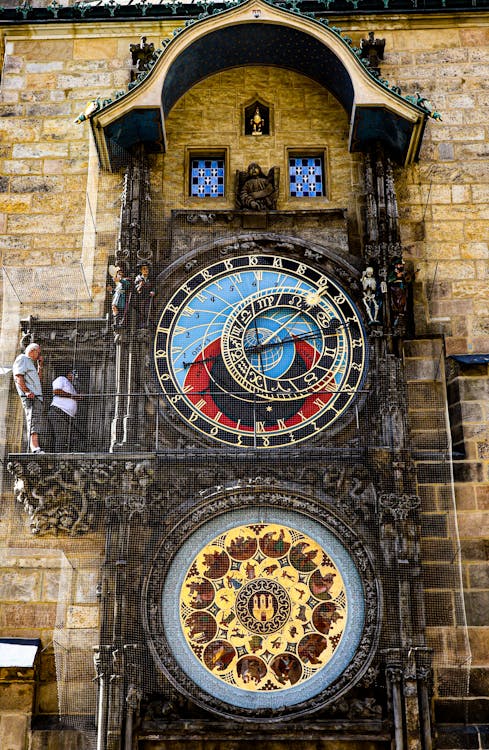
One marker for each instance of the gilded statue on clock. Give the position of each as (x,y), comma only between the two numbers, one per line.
(260,351)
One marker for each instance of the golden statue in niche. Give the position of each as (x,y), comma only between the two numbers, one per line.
(256,118)
(257,122)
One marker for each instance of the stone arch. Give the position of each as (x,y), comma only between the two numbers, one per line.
(256,33)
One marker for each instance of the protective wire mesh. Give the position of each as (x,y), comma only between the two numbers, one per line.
(90,579)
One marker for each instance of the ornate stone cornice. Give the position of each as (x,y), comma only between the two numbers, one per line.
(399,506)
(66,495)
(73,494)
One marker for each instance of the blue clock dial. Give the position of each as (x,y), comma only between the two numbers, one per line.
(260,351)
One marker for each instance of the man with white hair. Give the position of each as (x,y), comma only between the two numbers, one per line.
(27,372)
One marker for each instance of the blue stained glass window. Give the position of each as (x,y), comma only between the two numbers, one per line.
(306,176)
(207,178)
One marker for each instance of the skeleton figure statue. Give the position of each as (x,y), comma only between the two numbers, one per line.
(370,299)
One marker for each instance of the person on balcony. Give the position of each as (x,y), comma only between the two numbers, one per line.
(62,413)
(27,372)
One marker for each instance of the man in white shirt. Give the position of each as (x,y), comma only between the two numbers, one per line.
(62,413)
(27,371)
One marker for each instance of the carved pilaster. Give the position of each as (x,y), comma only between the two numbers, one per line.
(383,251)
(132,245)
(408,673)
(424,675)
(104,660)
(393,429)
(411,704)
(131,338)
(393,675)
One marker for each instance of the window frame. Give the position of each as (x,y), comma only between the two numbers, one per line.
(205,152)
(308,153)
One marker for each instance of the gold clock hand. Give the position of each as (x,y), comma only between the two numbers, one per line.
(258,344)
(291,340)
(260,347)
(280,328)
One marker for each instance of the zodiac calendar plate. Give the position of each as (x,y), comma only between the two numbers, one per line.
(262,613)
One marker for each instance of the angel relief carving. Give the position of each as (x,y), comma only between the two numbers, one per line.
(255,190)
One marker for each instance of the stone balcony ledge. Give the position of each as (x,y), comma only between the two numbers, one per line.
(71,494)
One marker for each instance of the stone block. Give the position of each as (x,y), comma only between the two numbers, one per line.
(38,224)
(40,150)
(465,497)
(13,731)
(422,348)
(434,550)
(475,549)
(468,289)
(468,471)
(14,204)
(93,81)
(82,617)
(50,585)
(36,184)
(477,607)
(47,698)
(47,668)
(44,49)
(49,109)
(479,682)
(432,473)
(43,81)
(22,586)
(439,608)
(14,82)
(18,167)
(480,343)
(440,575)
(58,739)
(74,203)
(429,440)
(17,130)
(479,638)
(35,616)
(473,389)
(70,166)
(474,37)
(16,696)
(434,525)
(422,369)
(420,394)
(456,738)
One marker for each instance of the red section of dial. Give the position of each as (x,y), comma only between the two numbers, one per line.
(199,381)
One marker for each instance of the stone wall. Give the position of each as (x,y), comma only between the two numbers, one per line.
(47,162)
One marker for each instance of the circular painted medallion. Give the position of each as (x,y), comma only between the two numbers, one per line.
(261,609)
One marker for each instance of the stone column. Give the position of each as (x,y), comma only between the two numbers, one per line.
(394,692)
(131,340)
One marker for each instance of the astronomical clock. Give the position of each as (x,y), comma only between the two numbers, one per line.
(262,600)
(260,351)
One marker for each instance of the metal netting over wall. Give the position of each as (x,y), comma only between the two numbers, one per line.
(128,470)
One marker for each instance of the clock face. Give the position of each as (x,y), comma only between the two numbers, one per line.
(260,351)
